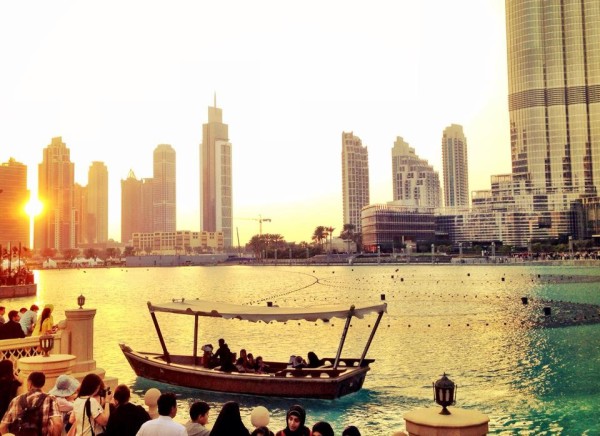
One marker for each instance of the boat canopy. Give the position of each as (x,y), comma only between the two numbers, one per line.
(265,313)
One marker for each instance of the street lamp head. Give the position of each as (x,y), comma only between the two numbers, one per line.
(444,393)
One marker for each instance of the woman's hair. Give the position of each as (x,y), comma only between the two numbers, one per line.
(45,315)
(90,384)
(6,370)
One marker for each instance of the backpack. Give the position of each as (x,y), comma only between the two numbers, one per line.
(29,421)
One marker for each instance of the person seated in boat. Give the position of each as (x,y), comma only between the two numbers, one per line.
(207,357)
(250,363)
(224,357)
(260,366)
(299,363)
(313,360)
(241,364)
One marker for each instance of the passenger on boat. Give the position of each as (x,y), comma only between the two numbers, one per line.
(313,360)
(322,428)
(2,311)
(241,363)
(207,357)
(198,419)
(299,363)
(260,366)
(229,422)
(250,363)
(223,357)
(295,419)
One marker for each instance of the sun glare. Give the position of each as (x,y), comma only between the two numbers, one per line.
(33,207)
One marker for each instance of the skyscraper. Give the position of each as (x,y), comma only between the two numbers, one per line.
(216,197)
(554,98)
(54,226)
(164,205)
(97,203)
(14,222)
(355,178)
(456,168)
(136,206)
(415,183)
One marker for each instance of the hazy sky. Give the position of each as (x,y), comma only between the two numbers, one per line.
(117,78)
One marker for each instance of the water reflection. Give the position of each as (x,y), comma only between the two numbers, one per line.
(464,320)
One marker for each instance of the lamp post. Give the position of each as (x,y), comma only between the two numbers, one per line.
(46,344)
(444,393)
(81,301)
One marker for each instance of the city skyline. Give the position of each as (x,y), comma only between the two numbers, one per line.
(287,96)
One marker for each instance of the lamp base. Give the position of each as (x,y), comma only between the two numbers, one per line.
(445,411)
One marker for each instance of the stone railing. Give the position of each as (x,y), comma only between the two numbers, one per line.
(14,349)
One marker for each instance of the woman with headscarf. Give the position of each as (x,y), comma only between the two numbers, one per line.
(8,385)
(295,419)
(322,428)
(229,422)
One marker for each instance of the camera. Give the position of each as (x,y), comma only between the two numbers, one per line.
(104,392)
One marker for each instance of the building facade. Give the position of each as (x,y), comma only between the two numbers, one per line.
(180,242)
(415,183)
(554,100)
(54,226)
(455,167)
(355,179)
(216,195)
(164,201)
(390,227)
(97,203)
(14,195)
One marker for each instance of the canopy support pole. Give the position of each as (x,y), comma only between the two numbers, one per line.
(343,338)
(160,337)
(195,338)
(364,354)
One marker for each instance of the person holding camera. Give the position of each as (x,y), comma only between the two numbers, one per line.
(91,409)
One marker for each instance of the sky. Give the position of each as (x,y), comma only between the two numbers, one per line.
(114,79)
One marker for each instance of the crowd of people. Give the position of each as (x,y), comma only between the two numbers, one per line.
(90,408)
(21,323)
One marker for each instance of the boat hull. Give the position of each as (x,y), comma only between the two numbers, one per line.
(328,384)
(15,291)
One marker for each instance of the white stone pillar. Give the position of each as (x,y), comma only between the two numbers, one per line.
(80,324)
(52,366)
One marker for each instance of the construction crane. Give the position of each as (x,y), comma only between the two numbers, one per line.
(260,220)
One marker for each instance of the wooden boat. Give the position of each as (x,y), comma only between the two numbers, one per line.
(333,378)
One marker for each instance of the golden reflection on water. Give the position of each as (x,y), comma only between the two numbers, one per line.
(467,321)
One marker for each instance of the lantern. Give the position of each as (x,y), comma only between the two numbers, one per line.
(46,344)
(444,393)
(81,301)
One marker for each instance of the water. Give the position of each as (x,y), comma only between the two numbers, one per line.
(462,320)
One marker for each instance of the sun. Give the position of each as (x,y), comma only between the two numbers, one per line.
(34,207)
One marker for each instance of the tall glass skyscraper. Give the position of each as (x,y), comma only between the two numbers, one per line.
(216,196)
(54,226)
(456,167)
(97,203)
(554,98)
(164,202)
(14,222)
(355,179)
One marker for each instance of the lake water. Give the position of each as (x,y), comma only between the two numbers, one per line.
(467,321)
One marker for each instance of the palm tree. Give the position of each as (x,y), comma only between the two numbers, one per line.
(319,235)
(347,234)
